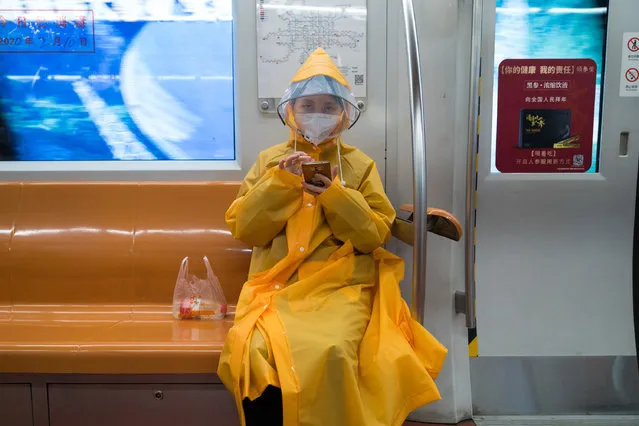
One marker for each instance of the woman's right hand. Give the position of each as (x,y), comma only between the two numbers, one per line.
(293,162)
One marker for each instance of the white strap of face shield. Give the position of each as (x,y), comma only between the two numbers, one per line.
(339,162)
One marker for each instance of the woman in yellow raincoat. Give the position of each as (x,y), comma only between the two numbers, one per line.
(322,336)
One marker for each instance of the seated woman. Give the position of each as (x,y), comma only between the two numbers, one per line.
(322,335)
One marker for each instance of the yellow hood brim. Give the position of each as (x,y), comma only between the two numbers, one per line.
(319,63)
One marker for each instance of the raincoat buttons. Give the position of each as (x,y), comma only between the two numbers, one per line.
(301,249)
(309,205)
(277,286)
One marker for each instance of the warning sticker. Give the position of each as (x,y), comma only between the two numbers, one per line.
(629,83)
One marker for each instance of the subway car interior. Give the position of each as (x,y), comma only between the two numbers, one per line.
(319,212)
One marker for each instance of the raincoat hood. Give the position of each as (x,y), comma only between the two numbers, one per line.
(319,75)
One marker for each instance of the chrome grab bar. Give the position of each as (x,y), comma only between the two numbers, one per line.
(418,131)
(471,166)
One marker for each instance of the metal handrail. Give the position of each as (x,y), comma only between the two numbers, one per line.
(418,131)
(471,163)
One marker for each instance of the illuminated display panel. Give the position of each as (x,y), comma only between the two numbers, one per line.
(110,81)
(552,29)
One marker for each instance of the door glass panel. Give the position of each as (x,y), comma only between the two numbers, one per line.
(551,29)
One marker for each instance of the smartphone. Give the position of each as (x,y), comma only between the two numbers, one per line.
(316,168)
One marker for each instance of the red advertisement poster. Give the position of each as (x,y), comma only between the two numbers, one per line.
(545,115)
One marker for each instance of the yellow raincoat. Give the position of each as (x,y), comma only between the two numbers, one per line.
(321,315)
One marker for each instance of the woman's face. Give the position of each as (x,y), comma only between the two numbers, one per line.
(317,104)
(317,116)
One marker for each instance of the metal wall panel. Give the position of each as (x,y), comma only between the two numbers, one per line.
(554,385)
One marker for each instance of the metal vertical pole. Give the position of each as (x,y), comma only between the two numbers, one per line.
(419,162)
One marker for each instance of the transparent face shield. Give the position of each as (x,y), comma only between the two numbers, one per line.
(318,108)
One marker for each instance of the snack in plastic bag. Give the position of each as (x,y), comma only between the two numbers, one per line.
(196,298)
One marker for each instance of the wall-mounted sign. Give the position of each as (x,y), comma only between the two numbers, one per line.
(289,31)
(545,115)
(630,65)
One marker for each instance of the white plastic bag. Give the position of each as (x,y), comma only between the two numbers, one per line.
(196,298)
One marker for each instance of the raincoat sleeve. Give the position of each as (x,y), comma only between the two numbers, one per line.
(266,200)
(364,217)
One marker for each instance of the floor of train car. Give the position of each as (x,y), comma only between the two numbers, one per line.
(565,420)
(610,420)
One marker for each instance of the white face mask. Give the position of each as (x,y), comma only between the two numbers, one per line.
(315,127)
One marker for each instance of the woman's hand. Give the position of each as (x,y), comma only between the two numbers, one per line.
(316,190)
(293,162)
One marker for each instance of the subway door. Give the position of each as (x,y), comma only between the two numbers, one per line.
(444,39)
(635,270)
(554,230)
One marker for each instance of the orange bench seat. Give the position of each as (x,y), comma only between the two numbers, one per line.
(87,273)
(108,340)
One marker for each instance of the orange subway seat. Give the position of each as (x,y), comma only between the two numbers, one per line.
(87,272)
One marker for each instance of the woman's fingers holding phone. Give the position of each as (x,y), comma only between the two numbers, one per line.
(292,162)
(306,159)
(285,163)
(314,190)
(323,179)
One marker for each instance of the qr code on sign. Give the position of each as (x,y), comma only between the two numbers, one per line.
(578,160)
(359,79)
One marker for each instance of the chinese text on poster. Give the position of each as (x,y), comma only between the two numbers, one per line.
(545,115)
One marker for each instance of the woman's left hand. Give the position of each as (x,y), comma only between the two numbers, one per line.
(316,190)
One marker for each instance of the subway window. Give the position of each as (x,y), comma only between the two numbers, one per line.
(556,48)
(121,80)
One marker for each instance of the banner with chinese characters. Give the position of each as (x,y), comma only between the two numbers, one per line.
(545,115)
(47,31)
